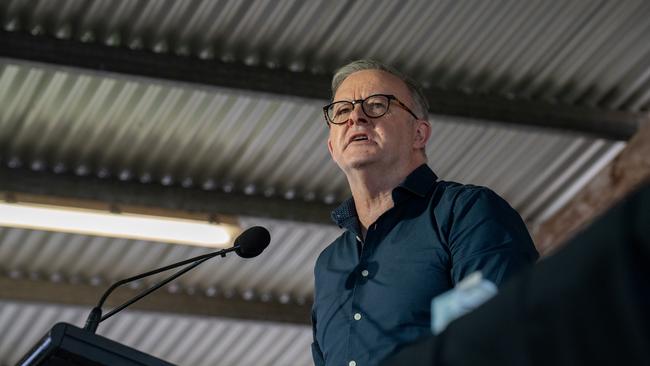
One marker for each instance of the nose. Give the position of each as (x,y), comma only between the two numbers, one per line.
(357,115)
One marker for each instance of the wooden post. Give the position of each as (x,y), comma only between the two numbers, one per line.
(621,176)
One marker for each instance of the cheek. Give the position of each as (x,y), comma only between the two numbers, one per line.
(400,139)
(334,143)
(394,135)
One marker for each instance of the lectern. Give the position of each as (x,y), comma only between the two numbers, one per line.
(67,345)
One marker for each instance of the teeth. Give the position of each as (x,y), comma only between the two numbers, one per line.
(359,138)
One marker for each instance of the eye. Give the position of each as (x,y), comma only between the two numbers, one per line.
(376,105)
(342,109)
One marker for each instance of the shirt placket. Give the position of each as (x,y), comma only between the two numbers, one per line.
(357,316)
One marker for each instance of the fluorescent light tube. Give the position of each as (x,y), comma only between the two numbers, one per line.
(121,225)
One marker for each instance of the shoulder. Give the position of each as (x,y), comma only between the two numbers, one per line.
(454,189)
(453,196)
(463,207)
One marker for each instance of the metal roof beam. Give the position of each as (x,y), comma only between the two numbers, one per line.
(591,121)
(216,204)
(27,290)
(614,125)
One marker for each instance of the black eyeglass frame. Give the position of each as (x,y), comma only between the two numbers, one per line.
(361,101)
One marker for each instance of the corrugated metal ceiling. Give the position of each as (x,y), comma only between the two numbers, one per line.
(184,340)
(284,271)
(576,52)
(243,142)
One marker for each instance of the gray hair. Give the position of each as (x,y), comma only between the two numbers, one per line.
(368,64)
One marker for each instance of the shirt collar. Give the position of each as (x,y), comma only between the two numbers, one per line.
(418,182)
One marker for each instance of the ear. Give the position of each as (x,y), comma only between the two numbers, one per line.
(329,147)
(422,134)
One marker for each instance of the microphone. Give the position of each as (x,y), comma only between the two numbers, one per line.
(248,244)
(252,242)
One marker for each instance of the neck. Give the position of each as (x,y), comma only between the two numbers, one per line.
(372,191)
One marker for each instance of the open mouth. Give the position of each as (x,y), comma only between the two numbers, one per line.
(360,137)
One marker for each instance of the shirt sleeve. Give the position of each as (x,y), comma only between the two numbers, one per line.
(316,353)
(487,235)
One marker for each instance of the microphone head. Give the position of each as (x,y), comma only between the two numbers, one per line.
(252,242)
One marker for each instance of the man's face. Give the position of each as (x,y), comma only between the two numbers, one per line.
(384,142)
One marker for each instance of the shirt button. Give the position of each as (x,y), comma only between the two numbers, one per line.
(357,316)
(365,273)
(352,363)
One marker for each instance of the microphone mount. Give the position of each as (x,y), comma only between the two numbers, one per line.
(95,317)
(248,244)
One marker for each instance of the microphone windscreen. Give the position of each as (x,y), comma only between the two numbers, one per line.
(252,242)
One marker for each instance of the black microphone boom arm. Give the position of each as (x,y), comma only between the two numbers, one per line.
(248,244)
(95,316)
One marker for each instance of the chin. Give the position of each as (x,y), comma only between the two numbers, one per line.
(354,160)
(361,163)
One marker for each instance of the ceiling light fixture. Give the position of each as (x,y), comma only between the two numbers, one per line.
(120,225)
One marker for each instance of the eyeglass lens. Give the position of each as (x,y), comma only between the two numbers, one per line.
(373,106)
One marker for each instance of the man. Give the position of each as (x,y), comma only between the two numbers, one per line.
(408,236)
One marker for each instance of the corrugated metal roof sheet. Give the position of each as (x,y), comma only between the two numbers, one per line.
(283,270)
(243,142)
(578,52)
(182,340)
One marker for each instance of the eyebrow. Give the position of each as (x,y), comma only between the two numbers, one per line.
(370,94)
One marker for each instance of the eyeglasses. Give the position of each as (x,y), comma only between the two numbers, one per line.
(374,106)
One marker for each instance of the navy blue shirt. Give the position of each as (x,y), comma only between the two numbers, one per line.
(373,295)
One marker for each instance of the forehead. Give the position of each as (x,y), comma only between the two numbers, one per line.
(363,83)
